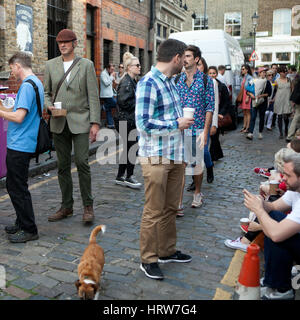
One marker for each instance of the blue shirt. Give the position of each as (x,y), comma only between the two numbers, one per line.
(157,110)
(198,98)
(23,136)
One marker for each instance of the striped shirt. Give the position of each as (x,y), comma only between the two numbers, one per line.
(157,110)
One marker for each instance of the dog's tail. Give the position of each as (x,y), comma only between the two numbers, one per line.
(96,231)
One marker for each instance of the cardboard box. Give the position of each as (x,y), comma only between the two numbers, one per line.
(59,113)
(2,108)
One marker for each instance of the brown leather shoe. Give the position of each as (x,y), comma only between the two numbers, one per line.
(88,214)
(62,213)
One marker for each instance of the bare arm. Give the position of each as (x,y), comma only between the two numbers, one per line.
(17,116)
(277,231)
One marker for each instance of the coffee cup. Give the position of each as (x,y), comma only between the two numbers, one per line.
(188,113)
(244,222)
(57,105)
(274,185)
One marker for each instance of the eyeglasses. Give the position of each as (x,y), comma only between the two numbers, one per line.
(243,69)
(121,67)
(136,65)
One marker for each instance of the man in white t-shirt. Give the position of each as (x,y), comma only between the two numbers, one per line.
(282,232)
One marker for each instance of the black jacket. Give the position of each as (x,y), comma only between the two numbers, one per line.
(126,99)
(224,100)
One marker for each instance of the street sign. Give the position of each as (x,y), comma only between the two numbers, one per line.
(253,56)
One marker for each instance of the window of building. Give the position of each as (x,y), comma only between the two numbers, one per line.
(266,57)
(90,34)
(282,22)
(122,51)
(107,52)
(141,58)
(199,23)
(165,32)
(57,18)
(232,23)
(149,59)
(158,31)
(283,56)
(132,50)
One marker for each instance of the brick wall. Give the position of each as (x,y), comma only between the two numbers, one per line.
(265,11)
(8,42)
(215,11)
(127,23)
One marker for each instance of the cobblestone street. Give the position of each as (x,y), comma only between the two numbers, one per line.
(47,268)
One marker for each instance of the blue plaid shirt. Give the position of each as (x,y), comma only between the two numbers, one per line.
(157,110)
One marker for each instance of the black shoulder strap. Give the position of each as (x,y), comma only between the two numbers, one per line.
(38,100)
(64,77)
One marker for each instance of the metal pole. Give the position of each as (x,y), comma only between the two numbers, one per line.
(204,14)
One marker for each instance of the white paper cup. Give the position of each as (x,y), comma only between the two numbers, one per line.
(188,113)
(244,222)
(57,105)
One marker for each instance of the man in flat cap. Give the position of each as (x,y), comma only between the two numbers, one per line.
(78,93)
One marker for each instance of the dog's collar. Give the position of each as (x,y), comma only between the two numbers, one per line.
(88,281)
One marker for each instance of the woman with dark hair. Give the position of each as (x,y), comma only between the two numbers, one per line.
(224,105)
(126,105)
(282,104)
(243,98)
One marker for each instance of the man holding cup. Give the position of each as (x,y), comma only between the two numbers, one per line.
(196,92)
(160,123)
(282,232)
(72,81)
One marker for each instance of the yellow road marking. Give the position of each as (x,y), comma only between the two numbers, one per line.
(36,185)
(222,295)
(231,276)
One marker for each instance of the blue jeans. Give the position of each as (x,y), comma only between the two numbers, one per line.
(279,258)
(109,103)
(207,157)
(261,109)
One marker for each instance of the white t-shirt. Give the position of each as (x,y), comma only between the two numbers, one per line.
(292,199)
(67,65)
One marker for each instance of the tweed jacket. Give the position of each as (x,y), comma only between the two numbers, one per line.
(79,96)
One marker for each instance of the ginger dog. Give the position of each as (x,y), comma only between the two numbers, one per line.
(90,267)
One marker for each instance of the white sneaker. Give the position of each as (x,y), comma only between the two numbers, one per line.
(273,294)
(260,136)
(249,136)
(236,244)
(294,271)
(197,200)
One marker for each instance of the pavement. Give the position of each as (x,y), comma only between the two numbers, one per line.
(46,269)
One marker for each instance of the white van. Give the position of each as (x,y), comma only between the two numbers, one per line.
(218,48)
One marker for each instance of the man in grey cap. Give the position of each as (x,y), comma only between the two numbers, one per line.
(78,93)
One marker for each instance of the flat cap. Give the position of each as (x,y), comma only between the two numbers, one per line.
(66,35)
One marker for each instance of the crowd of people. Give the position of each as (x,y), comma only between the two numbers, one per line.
(267,91)
(151,113)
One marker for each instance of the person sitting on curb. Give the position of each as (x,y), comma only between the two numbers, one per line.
(282,233)
(254,228)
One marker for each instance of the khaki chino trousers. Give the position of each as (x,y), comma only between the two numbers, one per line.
(162,184)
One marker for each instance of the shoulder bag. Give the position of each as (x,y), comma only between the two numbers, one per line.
(44,143)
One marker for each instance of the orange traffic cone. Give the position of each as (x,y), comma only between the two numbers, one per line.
(248,286)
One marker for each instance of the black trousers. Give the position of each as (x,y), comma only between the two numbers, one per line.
(17,164)
(128,157)
(215,149)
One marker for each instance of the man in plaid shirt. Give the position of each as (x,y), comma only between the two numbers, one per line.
(160,124)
